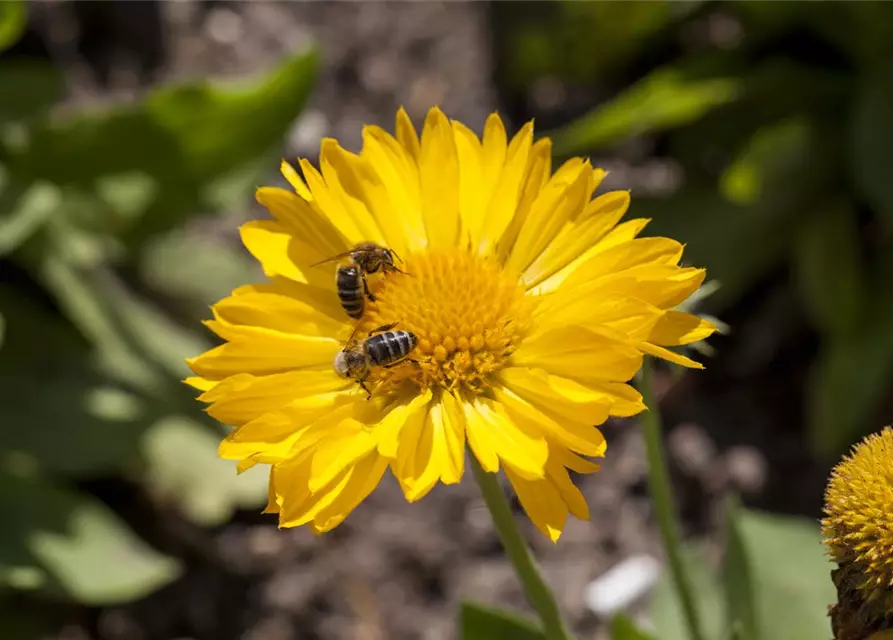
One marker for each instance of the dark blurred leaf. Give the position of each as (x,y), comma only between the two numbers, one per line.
(188,138)
(741,614)
(795,163)
(871,142)
(183,467)
(37,87)
(775,93)
(23,210)
(12,22)
(829,270)
(849,379)
(57,540)
(556,39)
(664,99)
(623,628)
(479,622)
(666,610)
(58,411)
(789,604)
(36,622)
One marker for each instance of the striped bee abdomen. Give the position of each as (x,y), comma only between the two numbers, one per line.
(349,282)
(389,347)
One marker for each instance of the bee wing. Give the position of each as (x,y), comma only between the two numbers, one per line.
(346,254)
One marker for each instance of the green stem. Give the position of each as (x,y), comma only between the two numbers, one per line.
(662,496)
(538,593)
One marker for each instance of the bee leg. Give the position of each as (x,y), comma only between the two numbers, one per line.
(363,386)
(366,290)
(382,328)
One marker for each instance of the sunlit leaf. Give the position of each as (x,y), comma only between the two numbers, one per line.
(666,609)
(59,411)
(183,468)
(623,628)
(23,210)
(790,605)
(738,577)
(188,136)
(666,98)
(479,622)
(72,545)
(12,22)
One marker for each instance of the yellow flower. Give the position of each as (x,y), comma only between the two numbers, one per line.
(533,307)
(858,527)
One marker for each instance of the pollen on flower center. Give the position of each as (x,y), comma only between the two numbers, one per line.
(468,314)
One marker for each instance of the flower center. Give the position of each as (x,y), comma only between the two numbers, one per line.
(468,315)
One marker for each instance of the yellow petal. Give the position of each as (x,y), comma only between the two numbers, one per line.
(476,182)
(327,204)
(272,246)
(628,316)
(578,237)
(347,177)
(400,423)
(575,434)
(362,481)
(281,313)
(244,397)
(276,434)
(399,211)
(580,353)
(200,383)
(439,175)
(433,449)
(623,400)
(493,436)
(536,176)
(407,136)
(334,455)
(562,199)
(301,220)
(671,356)
(323,299)
(295,180)
(262,352)
(504,202)
(570,494)
(542,502)
(635,253)
(676,328)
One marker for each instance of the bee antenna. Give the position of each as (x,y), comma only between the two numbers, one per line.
(394,253)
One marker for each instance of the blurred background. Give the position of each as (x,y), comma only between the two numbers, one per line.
(132,135)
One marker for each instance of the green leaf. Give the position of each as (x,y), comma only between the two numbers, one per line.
(665,99)
(479,622)
(871,142)
(666,610)
(63,543)
(738,578)
(38,87)
(790,575)
(60,413)
(23,211)
(183,467)
(12,22)
(190,137)
(623,628)
(833,289)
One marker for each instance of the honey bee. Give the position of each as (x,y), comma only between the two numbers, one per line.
(350,279)
(382,348)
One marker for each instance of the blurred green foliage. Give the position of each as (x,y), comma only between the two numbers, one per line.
(774,583)
(780,117)
(98,290)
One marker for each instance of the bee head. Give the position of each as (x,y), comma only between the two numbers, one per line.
(349,363)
